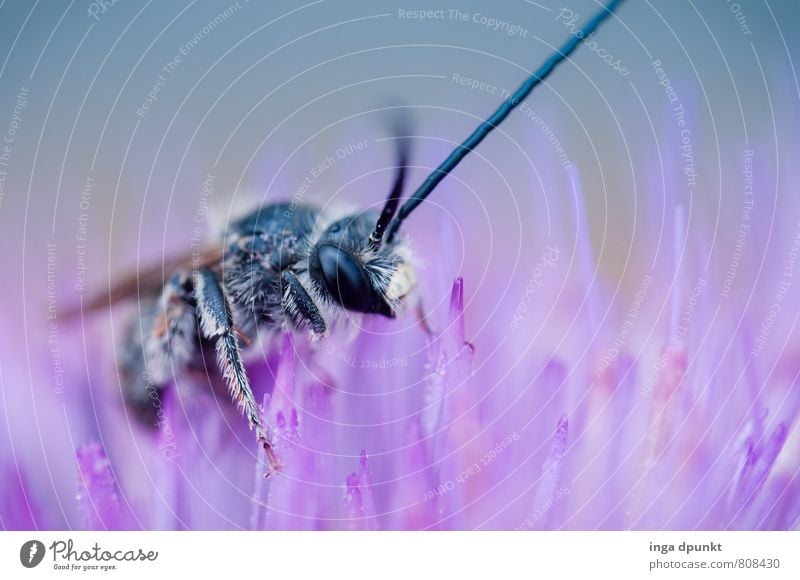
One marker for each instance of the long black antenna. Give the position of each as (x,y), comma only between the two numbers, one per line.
(499,115)
(400,128)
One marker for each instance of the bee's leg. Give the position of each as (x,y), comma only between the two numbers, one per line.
(139,394)
(171,339)
(161,342)
(422,318)
(216,324)
(297,304)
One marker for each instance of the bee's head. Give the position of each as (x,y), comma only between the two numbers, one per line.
(347,267)
(351,264)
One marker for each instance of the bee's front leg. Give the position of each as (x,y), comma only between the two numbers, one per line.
(298,305)
(216,324)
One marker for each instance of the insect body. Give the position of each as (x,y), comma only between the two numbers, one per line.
(281,265)
(291,266)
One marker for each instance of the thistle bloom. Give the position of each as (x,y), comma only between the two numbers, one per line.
(428,443)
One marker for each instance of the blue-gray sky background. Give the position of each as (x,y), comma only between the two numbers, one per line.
(282,85)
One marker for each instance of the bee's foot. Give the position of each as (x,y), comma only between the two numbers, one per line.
(273,464)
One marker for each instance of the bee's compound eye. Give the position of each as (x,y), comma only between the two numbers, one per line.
(345,279)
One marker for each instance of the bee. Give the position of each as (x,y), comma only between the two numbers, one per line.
(284,265)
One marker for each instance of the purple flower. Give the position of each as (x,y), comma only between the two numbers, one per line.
(98,495)
(433,445)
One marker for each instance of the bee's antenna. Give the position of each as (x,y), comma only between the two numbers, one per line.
(499,115)
(400,126)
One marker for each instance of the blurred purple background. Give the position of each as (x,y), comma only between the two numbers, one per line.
(623,352)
